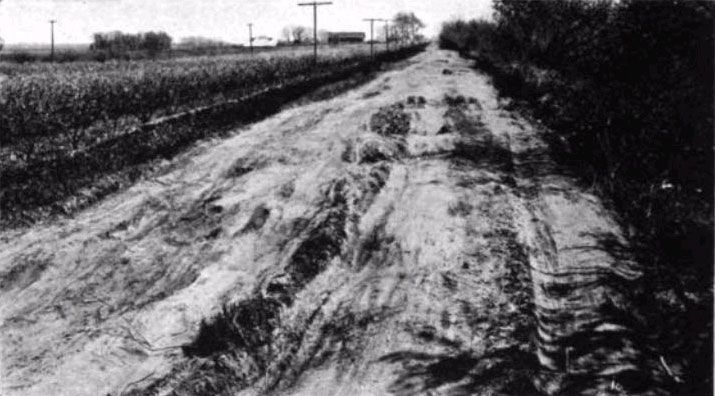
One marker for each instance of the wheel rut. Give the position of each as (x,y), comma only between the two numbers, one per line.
(585,281)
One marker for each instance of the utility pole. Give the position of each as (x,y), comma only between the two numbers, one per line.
(315,5)
(250,36)
(52,40)
(387,35)
(372,34)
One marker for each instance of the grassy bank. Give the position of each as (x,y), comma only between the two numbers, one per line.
(626,90)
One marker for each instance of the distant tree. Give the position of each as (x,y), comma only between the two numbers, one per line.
(395,33)
(155,42)
(300,34)
(407,26)
(380,33)
(286,34)
(117,43)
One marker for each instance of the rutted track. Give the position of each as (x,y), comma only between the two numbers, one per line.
(407,237)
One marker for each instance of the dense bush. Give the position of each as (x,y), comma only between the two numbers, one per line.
(472,36)
(628,87)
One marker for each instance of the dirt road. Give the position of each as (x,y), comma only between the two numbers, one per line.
(410,236)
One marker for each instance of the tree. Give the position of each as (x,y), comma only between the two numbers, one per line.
(300,34)
(286,34)
(155,42)
(2,42)
(406,26)
(119,44)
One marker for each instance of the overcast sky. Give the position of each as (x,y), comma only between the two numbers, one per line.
(26,21)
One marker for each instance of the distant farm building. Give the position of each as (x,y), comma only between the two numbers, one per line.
(345,37)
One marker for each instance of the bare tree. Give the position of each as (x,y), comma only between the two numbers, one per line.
(407,26)
(300,34)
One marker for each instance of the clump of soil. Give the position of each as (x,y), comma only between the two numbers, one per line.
(391,120)
(455,101)
(372,151)
(445,129)
(417,101)
(376,149)
(247,325)
(23,273)
(243,166)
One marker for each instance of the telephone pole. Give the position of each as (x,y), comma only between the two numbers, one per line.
(52,40)
(372,34)
(315,5)
(250,36)
(387,35)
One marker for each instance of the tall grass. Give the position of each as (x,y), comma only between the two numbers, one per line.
(627,89)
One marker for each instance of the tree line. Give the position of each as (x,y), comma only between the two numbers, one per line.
(405,27)
(118,42)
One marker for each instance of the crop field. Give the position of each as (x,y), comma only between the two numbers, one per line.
(20,59)
(9,68)
(42,102)
(54,113)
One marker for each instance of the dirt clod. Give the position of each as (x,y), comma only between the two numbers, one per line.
(258,219)
(390,120)
(455,101)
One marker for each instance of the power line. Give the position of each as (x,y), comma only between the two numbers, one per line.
(315,5)
(372,33)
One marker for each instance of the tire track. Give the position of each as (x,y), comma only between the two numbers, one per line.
(584,281)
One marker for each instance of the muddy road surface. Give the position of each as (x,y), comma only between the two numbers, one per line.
(408,237)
